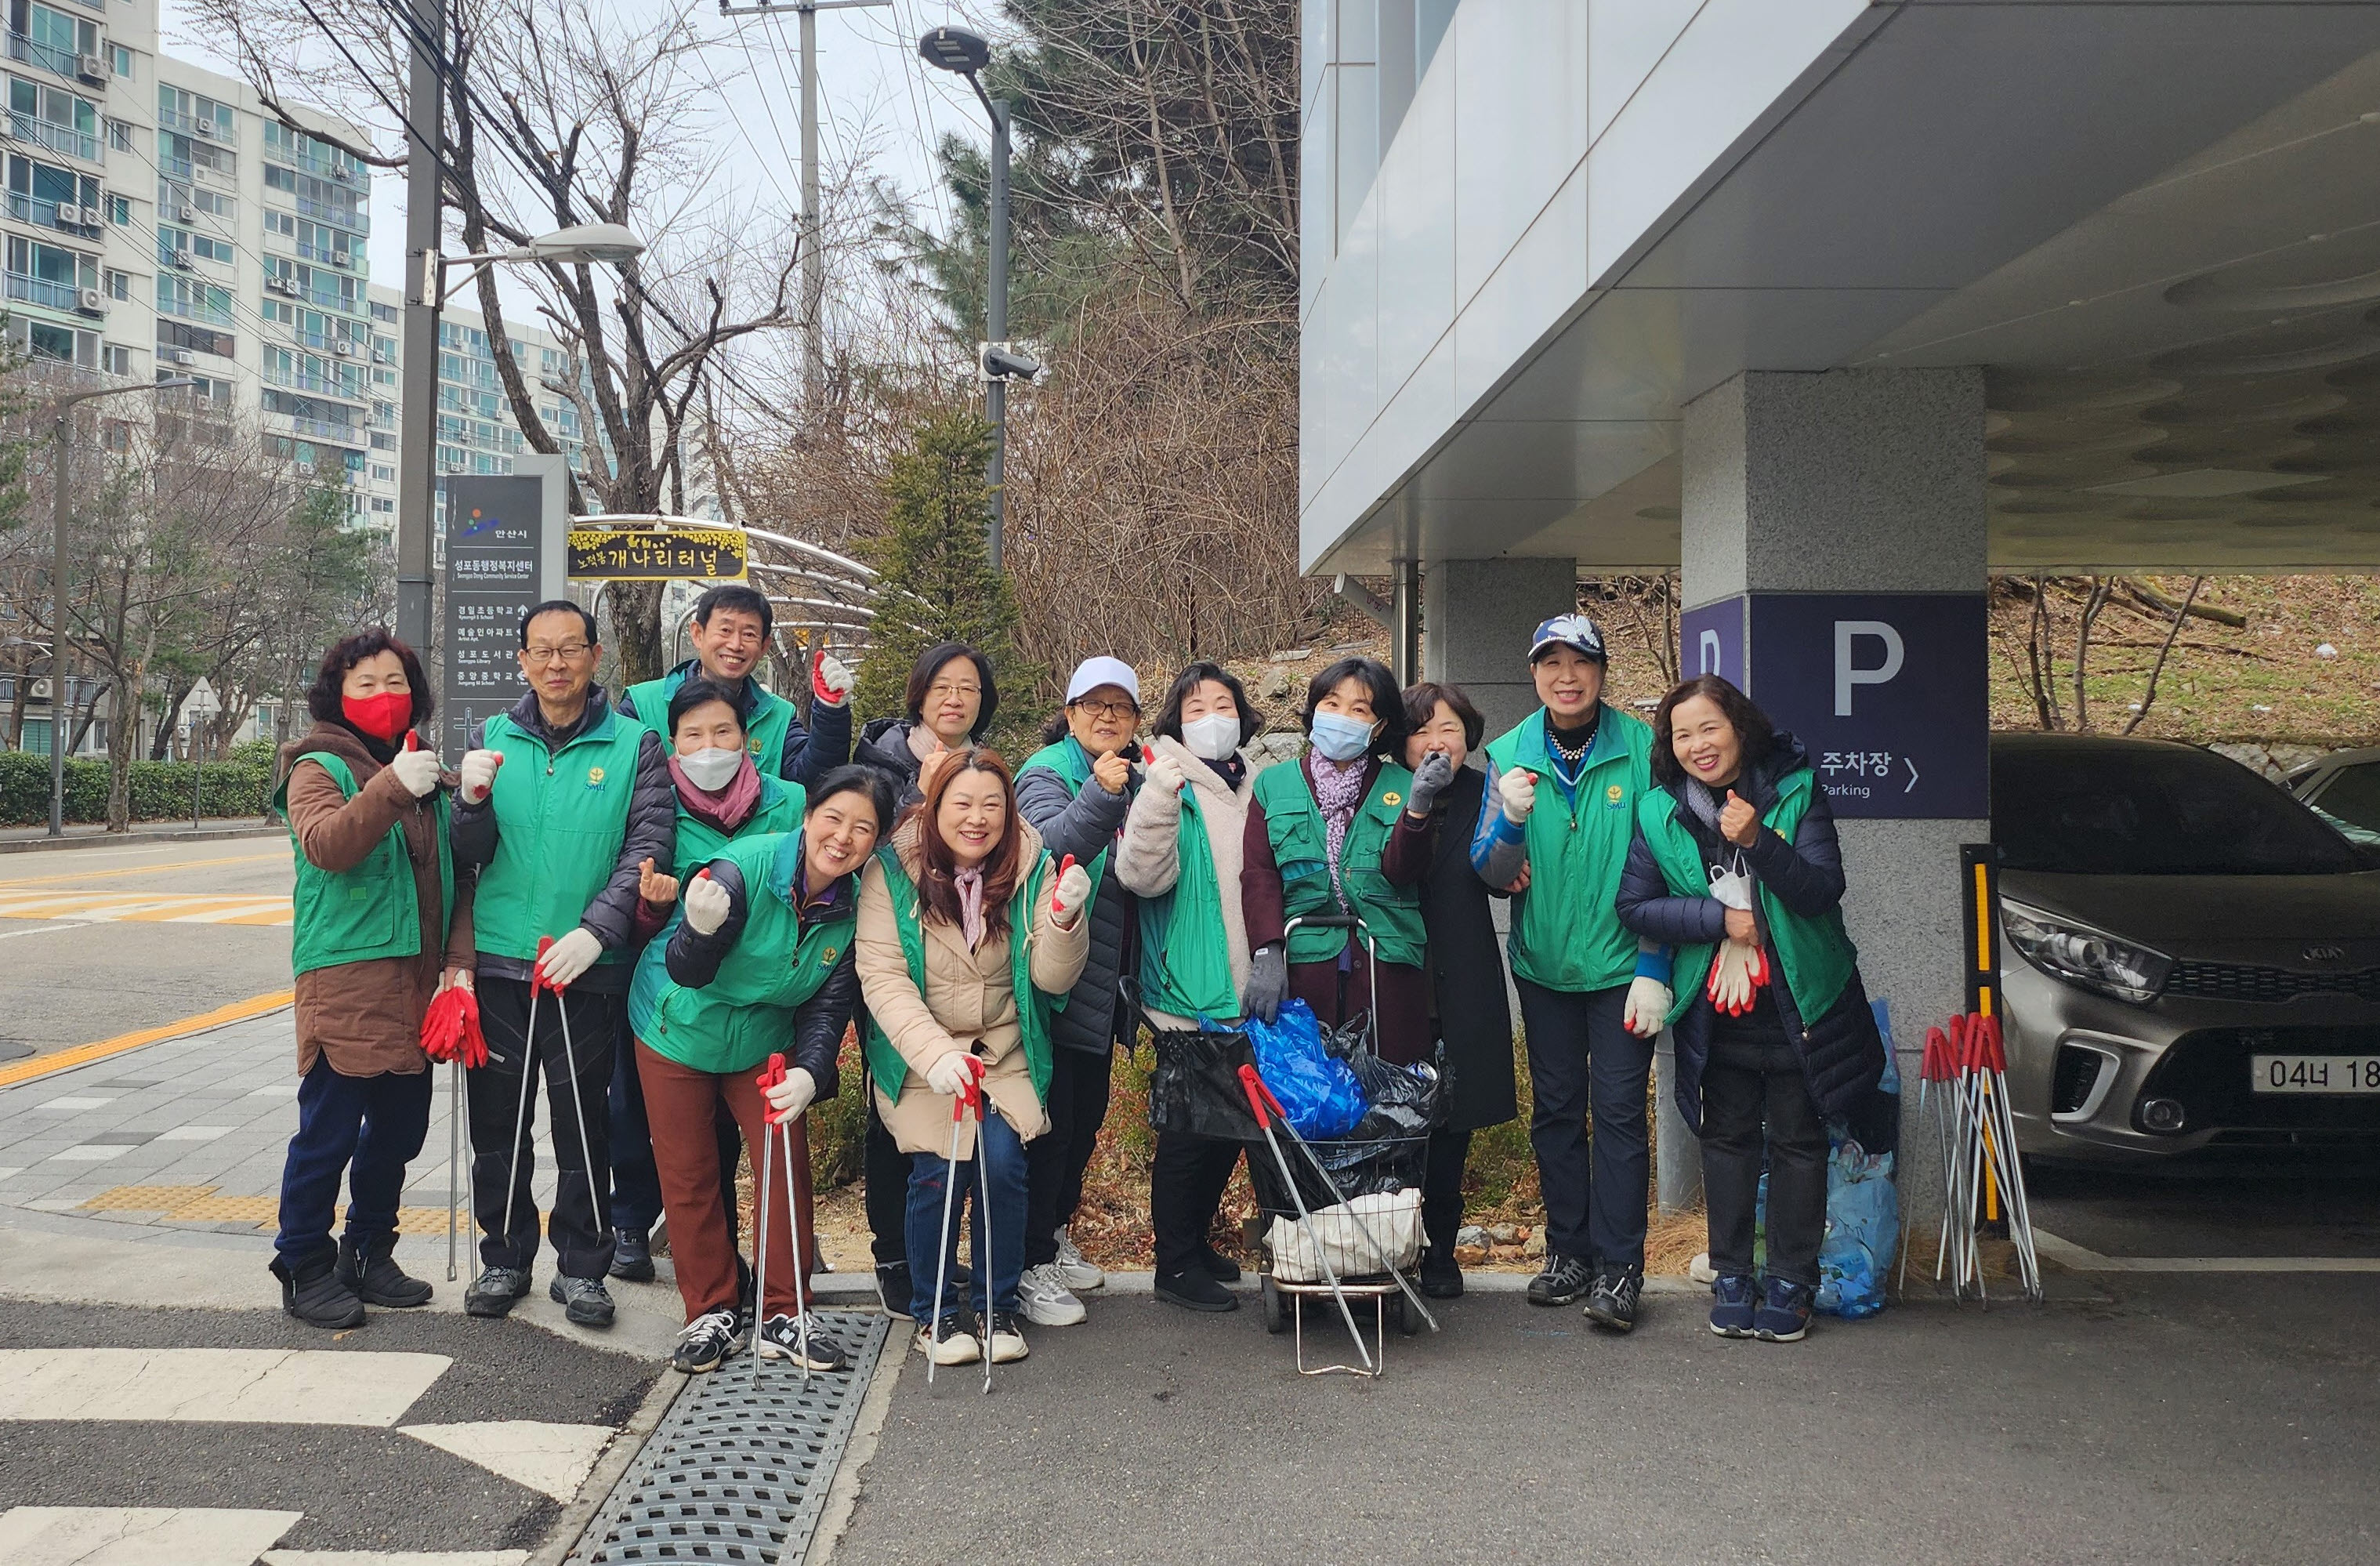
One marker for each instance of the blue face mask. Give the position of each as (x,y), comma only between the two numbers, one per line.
(1338,737)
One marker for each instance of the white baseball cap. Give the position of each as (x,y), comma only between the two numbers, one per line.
(1093,672)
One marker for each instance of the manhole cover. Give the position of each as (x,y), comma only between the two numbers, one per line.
(739,1469)
(12,1050)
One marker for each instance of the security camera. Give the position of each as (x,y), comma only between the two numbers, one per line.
(1001,361)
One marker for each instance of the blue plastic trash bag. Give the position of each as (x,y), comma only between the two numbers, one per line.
(1862,1224)
(1318,1094)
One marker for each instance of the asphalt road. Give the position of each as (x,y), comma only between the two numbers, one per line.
(2201,1419)
(95,943)
(2242,1206)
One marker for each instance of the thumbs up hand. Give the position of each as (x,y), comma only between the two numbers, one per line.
(1738,821)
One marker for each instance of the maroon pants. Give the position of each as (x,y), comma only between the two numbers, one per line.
(679,1104)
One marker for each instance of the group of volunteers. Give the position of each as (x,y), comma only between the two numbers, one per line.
(651,898)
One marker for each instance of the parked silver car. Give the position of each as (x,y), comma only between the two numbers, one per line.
(2190,957)
(2343,789)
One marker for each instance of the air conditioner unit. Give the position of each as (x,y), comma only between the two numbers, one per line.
(185,213)
(89,300)
(38,689)
(180,260)
(343,348)
(68,216)
(340,260)
(204,128)
(380,355)
(181,355)
(90,67)
(283,286)
(198,174)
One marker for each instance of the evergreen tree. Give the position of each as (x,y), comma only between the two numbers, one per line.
(936,583)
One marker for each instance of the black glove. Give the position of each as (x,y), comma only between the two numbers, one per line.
(1429,780)
(1268,983)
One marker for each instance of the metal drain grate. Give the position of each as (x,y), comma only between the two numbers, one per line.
(739,1471)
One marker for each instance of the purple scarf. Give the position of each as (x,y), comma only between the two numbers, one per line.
(1338,789)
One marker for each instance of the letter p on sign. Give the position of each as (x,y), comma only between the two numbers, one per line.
(1849,674)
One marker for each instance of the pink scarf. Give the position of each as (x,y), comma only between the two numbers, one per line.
(970,885)
(727,811)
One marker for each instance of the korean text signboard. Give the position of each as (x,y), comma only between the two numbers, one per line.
(652,555)
(1887,692)
(500,560)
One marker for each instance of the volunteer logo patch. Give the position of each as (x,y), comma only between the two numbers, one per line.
(594,777)
(1613,793)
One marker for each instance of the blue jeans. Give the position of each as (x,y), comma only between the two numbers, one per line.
(367,1128)
(1001,1156)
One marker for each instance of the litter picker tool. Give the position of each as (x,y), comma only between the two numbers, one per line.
(776,1150)
(528,1075)
(1267,1110)
(450,1034)
(971,1095)
(597,1197)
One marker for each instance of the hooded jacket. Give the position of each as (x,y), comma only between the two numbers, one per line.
(1086,824)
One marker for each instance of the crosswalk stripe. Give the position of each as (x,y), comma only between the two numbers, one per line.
(201,912)
(151,908)
(280,915)
(235,1386)
(139,1536)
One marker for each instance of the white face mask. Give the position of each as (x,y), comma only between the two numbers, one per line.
(1213,738)
(710,769)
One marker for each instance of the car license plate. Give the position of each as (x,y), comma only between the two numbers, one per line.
(2315,1073)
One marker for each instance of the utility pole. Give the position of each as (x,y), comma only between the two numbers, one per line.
(995,311)
(813,263)
(417,497)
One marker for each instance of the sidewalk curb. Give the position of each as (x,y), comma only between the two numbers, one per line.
(34,1067)
(843,1491)
(133,839)
(570,1528)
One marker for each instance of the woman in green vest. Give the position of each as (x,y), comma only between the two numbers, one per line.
(1735,865)
(758,962)
(1321,839)
(380,925)
(969,939)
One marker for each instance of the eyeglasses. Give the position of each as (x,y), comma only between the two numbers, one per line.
(953,690)
(1108,709)
(569,652)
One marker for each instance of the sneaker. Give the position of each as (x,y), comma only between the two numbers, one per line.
(707,1339)
(1078,1275)
(893,1288)
(1784,1312)
(371,1274)
(950,1340)
(1441,1275)
(1612,1301)
(494,1289)
(1047,1301)
(1564,1280)
(1195,1290)
(315,1294)
(632,1257)
(782,1337)
(1731,1311)
(584,1300)
(1218,1267)
(1006,1337)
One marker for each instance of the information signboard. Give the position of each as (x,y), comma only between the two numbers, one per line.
(503,549)
(654,554)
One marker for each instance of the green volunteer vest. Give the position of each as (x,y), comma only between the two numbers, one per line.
(1072,762)
(1300,849)
(1817,955)
(1185,952)
(764,731)
(560,821)
(1566,930)
(747,1011)
(885,1065)
(698,841)
(370,910)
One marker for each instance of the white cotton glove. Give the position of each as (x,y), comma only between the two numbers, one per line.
(1648,1004)
(1518,787)
(831,678)
(416,771)
(707,904)
(950,1075)
(1734,977)
(793,1095)
(569,957)
(1074,891)
(1164,774)
(479,773)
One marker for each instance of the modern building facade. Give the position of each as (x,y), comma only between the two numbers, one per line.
(1837,307)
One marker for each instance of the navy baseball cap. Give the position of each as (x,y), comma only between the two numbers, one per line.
(1574,631)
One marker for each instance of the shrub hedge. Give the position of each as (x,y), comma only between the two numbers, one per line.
(160,790)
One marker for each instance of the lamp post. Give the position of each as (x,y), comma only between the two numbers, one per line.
(61,456)
(966,53)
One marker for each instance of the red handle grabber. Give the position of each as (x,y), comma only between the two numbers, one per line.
(774,1077)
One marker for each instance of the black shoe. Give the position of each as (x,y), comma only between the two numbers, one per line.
(707,1339)
(893,1287)
(781,1337)
(314,1294)
(371,1274)
(494,1289)
(1783,1313)
(1564,1280)
(1218,1267)
(1733,1305)
(632,1257)
(1195,1290)
(1612,1303)
(1441,1275)
(584,1300)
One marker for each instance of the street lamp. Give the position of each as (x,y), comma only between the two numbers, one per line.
(966,53)
(61,455)
(582,243)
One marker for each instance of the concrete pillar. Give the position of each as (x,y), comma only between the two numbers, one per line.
(1834,535)
(1477,616)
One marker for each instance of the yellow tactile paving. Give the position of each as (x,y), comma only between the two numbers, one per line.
(200,911)
(199,1203)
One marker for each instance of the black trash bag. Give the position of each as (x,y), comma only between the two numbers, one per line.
(1356,1169)
(1195,1088)
(1405,1101)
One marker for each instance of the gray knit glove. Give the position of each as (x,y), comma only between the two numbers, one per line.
(1429,780)
(1268,983)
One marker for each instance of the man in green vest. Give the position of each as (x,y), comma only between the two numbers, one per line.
(729,633)
(562,799)
(1554,825)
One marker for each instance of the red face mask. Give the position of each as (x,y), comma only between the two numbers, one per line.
(384,717)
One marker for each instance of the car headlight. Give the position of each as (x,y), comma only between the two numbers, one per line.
(2080,954)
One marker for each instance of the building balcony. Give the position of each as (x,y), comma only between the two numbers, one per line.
(44,214)
(192,311)
(43,293)
(354,219)
(320,385)
(47,56)
(190,125)
(62,139)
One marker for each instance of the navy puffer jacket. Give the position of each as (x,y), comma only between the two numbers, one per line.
(1841,1051)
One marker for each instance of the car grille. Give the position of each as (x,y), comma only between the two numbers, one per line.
(2239,981)
(2208,1070)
